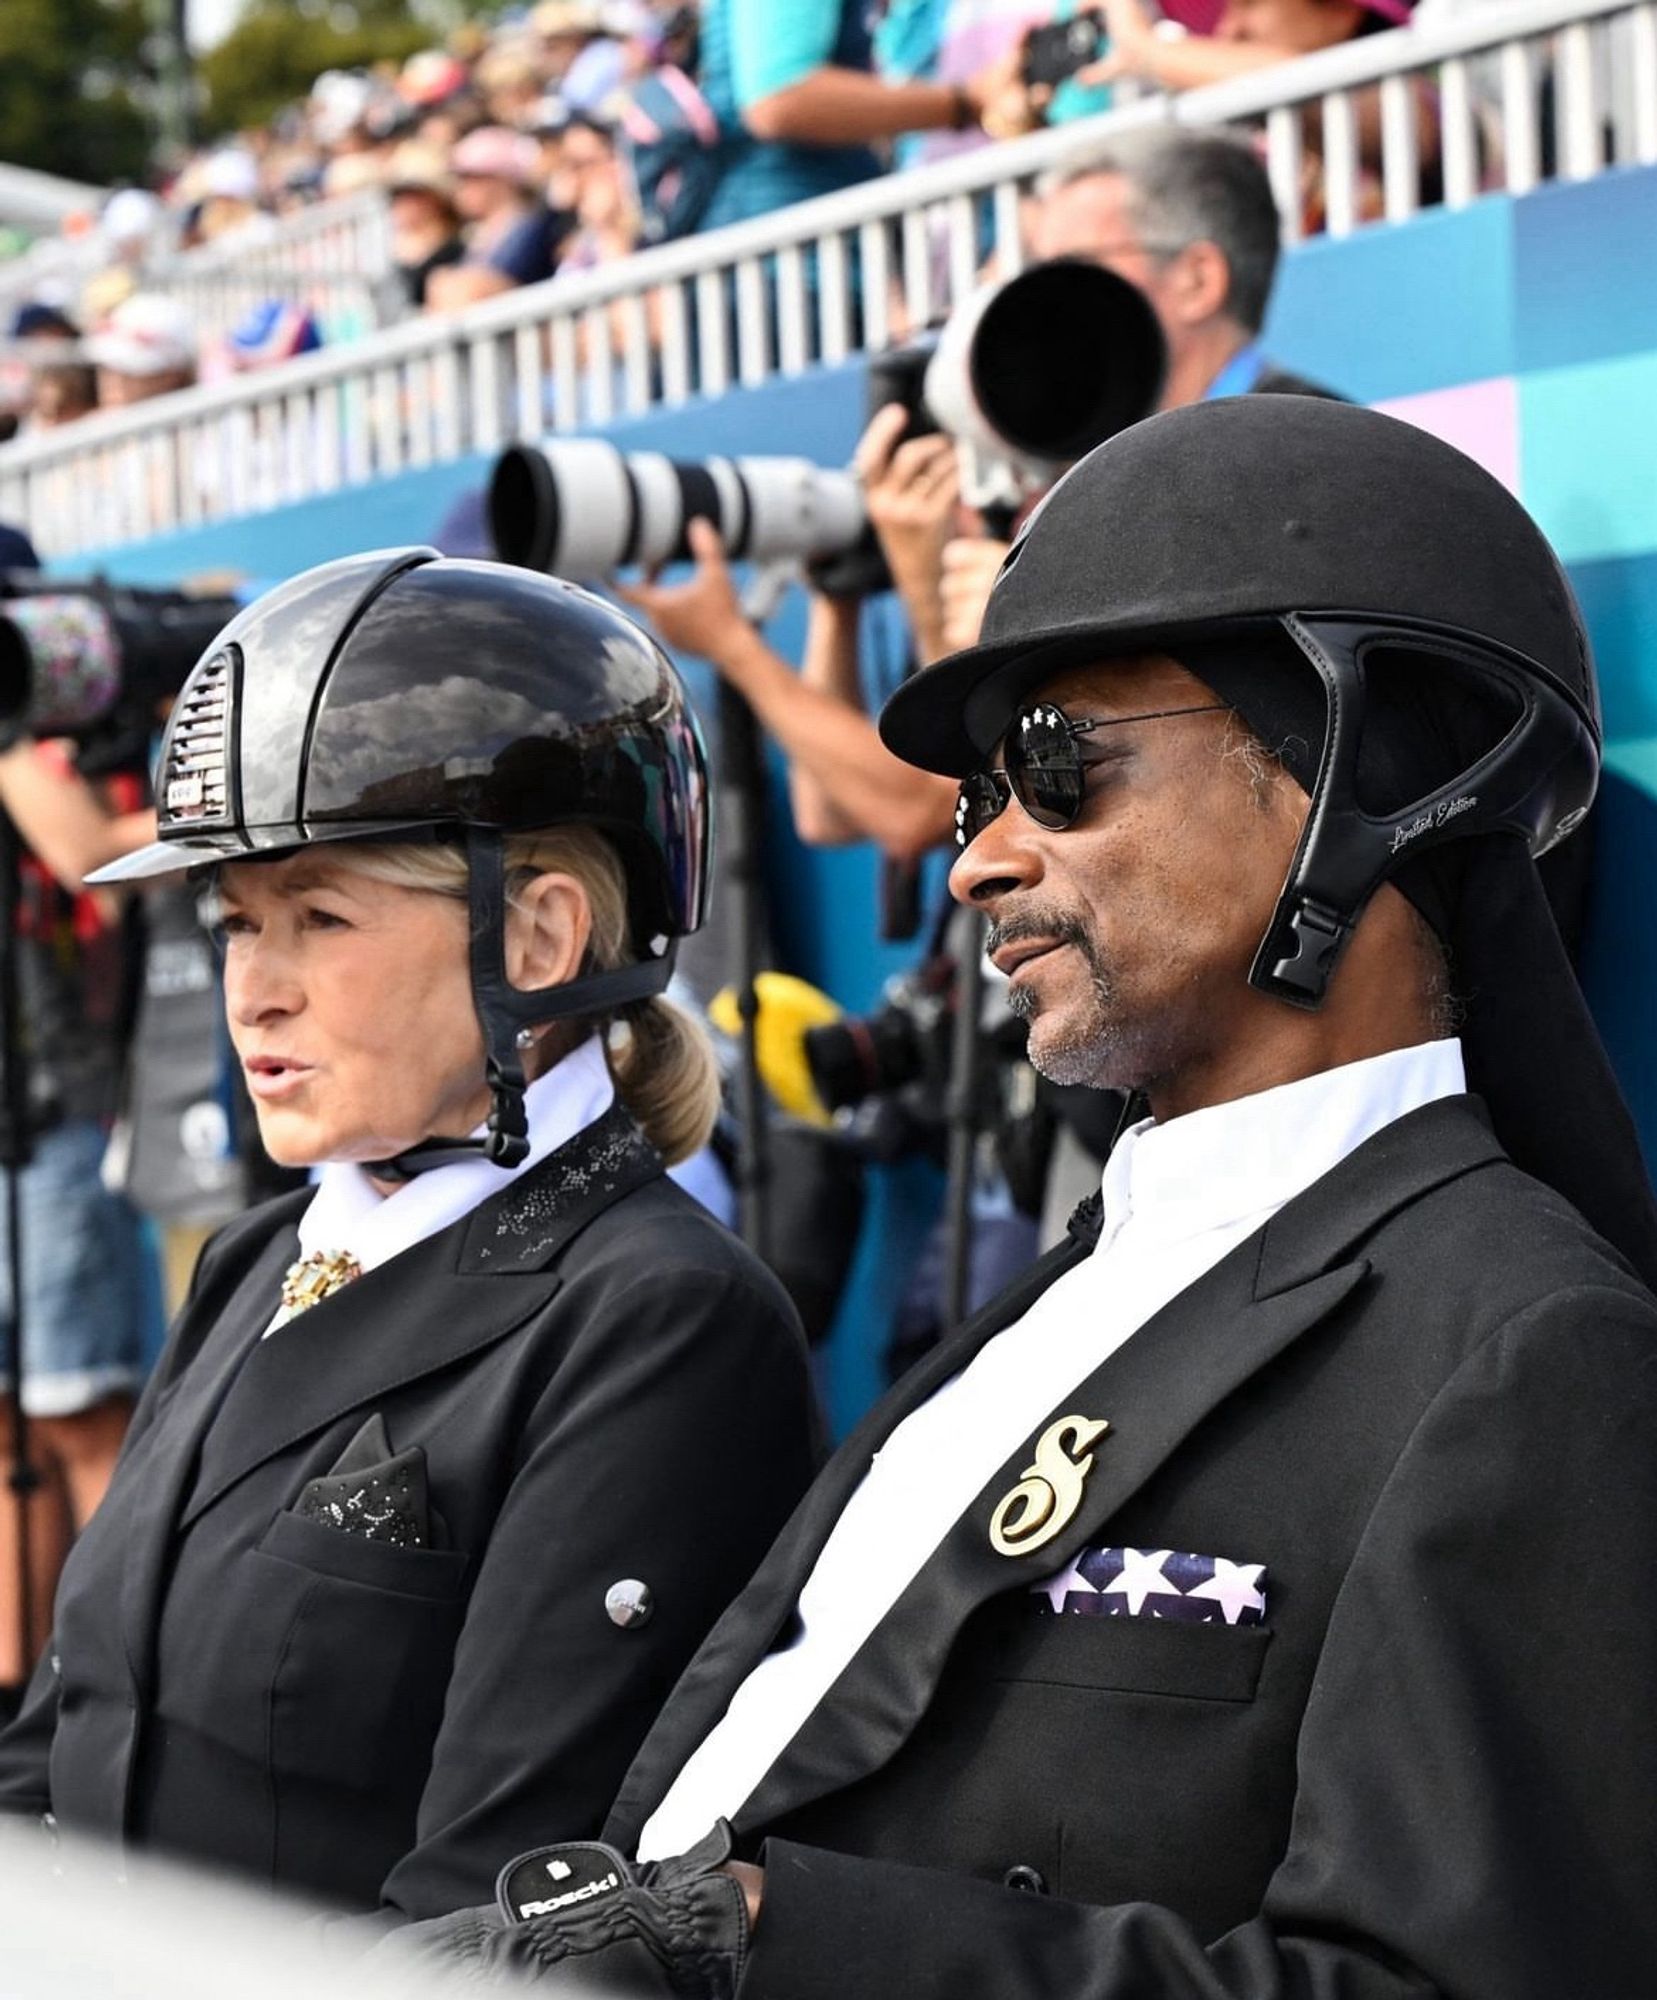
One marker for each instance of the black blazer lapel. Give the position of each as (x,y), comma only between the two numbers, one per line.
(426,1309)
(749,1628)
(171,1444)
(1153,1391)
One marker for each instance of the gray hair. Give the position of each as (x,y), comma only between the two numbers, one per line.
(1192,187)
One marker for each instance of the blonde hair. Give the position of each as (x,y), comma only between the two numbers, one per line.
(660,1058)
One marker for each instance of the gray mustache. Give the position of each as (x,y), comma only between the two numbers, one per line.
(1025,924)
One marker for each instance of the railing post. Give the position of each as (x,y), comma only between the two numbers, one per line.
(1400,149)
(1642,33)
(1580,149)
(1285,157)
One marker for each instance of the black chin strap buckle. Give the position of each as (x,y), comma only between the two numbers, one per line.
(508,1142)
(1318,934)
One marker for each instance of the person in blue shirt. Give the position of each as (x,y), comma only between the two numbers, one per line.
(799,106)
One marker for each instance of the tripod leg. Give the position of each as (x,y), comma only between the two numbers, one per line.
(46,1512)
(966,1071)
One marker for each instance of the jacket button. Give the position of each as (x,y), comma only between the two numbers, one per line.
(1022,1876)
(629,1602)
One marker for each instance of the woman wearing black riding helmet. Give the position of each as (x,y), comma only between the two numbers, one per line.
(452,1460)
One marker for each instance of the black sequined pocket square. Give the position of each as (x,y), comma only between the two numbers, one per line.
(373,1492)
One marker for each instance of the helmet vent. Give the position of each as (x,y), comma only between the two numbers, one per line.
(195,786)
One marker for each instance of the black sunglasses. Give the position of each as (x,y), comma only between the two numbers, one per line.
(1043,768)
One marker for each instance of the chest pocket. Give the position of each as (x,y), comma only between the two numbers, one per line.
(1015,1640)
(358,1688)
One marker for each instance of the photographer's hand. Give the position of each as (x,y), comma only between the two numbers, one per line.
(913,490)
(1010,107)
(970,567)
(864,790)
(703,616)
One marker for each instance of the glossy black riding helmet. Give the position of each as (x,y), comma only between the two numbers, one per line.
(406,695)
(1359,541)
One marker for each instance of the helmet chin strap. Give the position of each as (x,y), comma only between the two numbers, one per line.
(502,1009)
(1345,853)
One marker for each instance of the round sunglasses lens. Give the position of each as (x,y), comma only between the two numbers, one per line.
(980,801)
(1045,767)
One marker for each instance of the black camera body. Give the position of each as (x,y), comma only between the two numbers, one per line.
(892,1070)
(1056,50)
(96,661)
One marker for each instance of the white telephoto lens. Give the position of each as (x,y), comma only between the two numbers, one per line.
(800,509)
(594,508)
(734,512)
(660,510)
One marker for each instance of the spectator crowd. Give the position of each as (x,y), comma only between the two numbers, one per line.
(562,137)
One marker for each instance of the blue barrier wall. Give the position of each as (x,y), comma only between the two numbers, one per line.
(1524,331)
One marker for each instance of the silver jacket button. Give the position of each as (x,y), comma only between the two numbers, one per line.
(629,1602)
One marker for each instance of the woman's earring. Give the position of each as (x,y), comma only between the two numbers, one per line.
(524,1038)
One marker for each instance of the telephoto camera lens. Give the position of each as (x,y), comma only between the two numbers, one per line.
(72,655)
(863,1057)
(1042,367)
(579,507)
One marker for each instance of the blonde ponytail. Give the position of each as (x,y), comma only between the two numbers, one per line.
(667,1076)
(661,1060)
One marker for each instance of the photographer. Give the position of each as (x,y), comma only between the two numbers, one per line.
(83,1261)
(1188,219)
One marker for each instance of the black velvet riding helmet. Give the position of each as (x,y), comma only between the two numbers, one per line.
(1385,616)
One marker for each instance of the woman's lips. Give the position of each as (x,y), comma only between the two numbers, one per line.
(270,1078)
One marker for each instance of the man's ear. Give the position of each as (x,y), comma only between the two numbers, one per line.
(549,922)
(1202,283)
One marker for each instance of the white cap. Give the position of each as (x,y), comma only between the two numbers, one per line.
(129,216)
(231,175)
(148,334)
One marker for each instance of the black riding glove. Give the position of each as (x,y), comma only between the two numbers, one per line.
(580,1919)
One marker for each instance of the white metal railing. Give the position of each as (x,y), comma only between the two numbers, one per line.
(1518,91)
(41,201)
(335,258)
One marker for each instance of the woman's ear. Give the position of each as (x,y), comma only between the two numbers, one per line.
(549,922)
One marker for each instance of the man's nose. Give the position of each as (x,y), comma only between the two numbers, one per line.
(1006,857)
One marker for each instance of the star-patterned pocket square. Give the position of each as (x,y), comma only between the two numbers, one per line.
(1156,1583)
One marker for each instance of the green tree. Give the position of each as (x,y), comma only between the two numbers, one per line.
(278,49)
(74,83)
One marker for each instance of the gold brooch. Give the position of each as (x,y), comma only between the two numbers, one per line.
(1049,1489)
(315,1278)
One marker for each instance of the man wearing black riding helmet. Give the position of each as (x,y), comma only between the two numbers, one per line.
(1247,1603)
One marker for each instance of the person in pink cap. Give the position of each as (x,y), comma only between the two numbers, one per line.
(1226,38)
(512,237)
